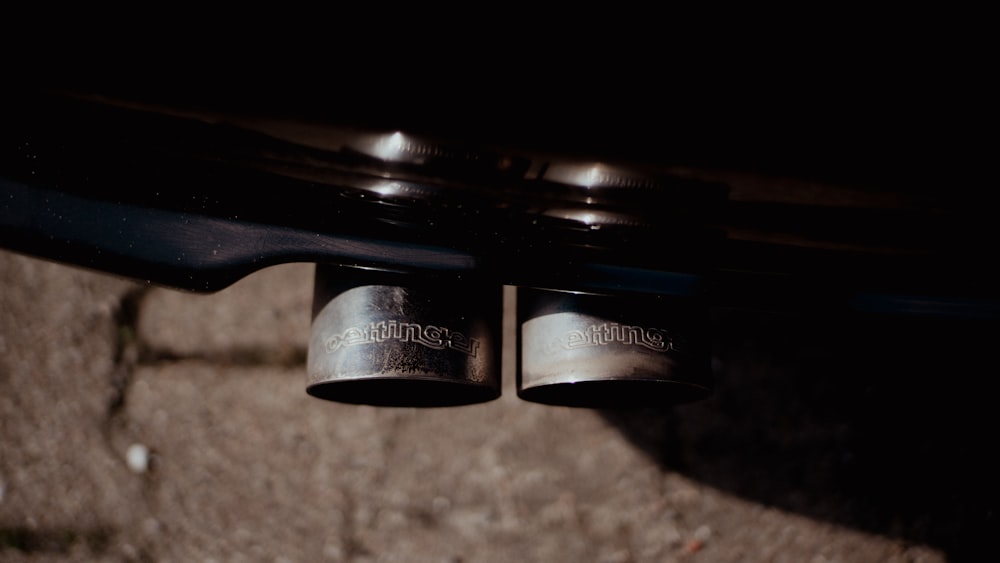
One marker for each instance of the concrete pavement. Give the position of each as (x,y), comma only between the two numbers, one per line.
(140,423)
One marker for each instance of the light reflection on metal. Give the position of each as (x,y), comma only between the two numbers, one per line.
(394,339)
(597,175)
(388,147)
(591,350)
(595,218)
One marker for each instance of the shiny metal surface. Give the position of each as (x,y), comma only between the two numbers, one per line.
(607,351)
(598,175)
(381,339)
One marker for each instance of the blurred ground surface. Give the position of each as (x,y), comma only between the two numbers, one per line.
(147,424)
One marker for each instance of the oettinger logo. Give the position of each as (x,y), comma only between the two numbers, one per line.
(614,333)
(436,338)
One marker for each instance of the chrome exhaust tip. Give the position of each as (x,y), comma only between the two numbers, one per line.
(603,351)
(389,339)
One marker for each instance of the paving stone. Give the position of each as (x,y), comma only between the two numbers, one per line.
(244,463)
(109,454)
(59,474)
(266,313)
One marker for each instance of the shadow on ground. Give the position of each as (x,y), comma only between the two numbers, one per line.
(882,424)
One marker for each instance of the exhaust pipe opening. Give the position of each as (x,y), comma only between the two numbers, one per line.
(604,351)
(391,339)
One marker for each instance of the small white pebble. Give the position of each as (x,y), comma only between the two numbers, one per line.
(703,533)
(137,458)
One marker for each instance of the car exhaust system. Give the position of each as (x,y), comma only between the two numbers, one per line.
(379,338)
(616,262)
(585,336)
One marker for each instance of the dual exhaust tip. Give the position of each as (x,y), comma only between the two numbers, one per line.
(380,339)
